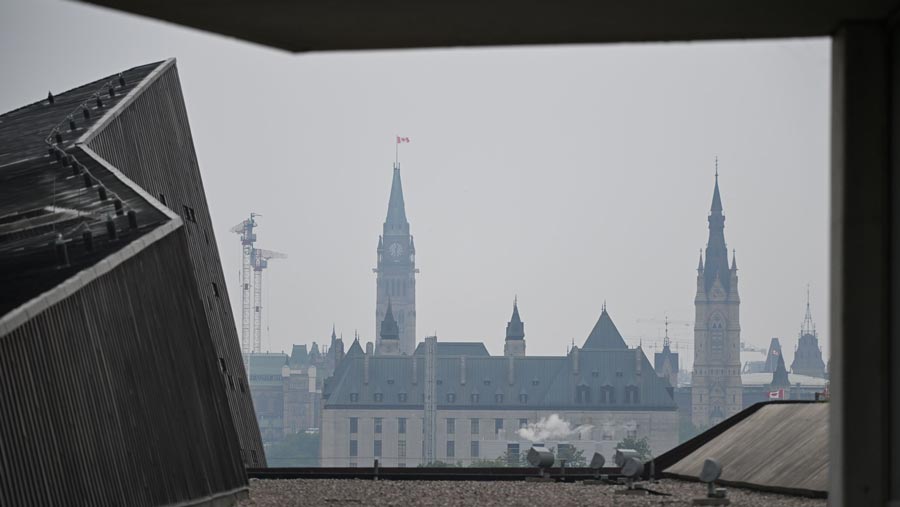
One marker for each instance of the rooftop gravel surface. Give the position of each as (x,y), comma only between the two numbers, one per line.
(333,492)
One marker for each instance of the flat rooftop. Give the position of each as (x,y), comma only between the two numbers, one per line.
(298,492)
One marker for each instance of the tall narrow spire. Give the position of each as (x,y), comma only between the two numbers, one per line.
(700,264)
(396,215)
(808,326)
(716,250)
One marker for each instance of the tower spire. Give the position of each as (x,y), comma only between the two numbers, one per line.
(396,222)
(716,250)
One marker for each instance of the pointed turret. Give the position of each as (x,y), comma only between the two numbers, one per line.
(700,264)
(734,261)
(396,223)
(780,376)
(390,334)
(515,333)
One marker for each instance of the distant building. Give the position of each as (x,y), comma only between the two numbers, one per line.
(453,402)
(287,389)
(396,272)
(666,362)
(122,378)
(716,380)
(808,356)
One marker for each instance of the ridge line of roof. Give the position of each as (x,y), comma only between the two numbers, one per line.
(21,314)
(120,106)
(39,101)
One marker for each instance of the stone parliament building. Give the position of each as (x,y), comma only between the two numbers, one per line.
(453,402)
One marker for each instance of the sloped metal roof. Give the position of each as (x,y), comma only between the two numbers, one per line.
(779,446)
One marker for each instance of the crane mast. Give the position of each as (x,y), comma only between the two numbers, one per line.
(260,259)
(248,238)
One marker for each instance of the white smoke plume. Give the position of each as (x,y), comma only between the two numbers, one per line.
(551,428)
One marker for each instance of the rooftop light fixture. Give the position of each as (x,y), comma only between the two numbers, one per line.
(710,473)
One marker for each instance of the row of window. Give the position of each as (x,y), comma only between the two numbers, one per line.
(474,425)
(474,448)
(607,395)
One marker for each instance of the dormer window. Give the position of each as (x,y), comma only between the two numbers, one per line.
(474,397)
(595,374)
(498,398)
(487,381)
(439,382)
(582,394)
(535,382)
(523,398)
(379,397)
(607,394)
(451,397)
(354,397)
(632,394)
(401,397)
(390,381)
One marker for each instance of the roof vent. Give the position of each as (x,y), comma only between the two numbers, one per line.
(101,192)
(118,205)
(86,112)
(88,181)
(58,137)
(112,91)
(99,102)
(50,99)
(72,125)
(111,228)
(121,80)
(88,238)
(62,251)
(132,219)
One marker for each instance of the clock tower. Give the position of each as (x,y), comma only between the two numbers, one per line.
(396,272)
(716,388)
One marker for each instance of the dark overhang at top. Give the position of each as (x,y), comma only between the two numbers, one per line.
(303,25)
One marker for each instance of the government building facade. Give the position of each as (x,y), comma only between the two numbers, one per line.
(408,404)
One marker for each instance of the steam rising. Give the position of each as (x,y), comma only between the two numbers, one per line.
(552,427)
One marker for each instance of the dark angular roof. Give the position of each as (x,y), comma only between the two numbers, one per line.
(42,197)
(716,267)
(468,349)
(604,335)
(772,356)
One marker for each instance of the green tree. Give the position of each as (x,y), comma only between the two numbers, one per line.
(297,450)
(638,444)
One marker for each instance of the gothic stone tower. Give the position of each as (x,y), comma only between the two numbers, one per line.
(396,280)
(716,382)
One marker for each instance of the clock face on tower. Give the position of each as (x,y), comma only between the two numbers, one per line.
(396,250)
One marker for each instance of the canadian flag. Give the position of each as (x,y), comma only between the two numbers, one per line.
(402,139)
(776,395)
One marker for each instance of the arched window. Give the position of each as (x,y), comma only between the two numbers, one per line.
(632,394)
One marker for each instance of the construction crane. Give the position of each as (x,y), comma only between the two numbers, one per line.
(248,238)
(260,258)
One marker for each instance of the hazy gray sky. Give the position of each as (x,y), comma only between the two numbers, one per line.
(568,175)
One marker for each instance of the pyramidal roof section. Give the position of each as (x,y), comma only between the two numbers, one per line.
(604,335)
(396,214)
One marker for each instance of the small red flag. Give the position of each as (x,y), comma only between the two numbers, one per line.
(402,139)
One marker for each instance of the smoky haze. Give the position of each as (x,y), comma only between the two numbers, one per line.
(566,175)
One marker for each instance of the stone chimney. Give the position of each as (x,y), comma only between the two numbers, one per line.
(462,370)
